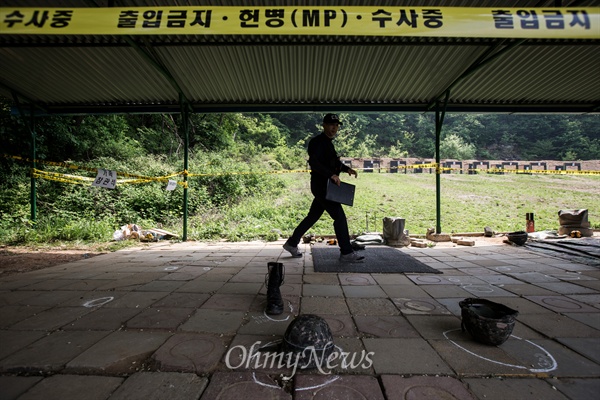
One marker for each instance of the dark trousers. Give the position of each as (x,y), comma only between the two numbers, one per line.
(340,224)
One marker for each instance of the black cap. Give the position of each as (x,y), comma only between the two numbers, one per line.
(331,119)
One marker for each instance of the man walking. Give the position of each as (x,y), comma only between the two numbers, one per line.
(325,165)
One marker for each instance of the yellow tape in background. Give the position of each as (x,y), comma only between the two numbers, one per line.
(287,171)
(137,179)
(84,180)
(134,177)
(60,178)
(535,171)
(498,22)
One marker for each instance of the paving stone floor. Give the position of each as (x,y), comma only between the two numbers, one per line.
(186,320)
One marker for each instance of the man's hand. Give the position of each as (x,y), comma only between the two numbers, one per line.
(336,179)
(352,172)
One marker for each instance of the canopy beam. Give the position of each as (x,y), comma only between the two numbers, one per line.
(487,57)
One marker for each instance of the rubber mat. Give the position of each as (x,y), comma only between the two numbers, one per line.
(378,259)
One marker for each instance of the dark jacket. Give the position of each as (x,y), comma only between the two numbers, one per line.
(324,162)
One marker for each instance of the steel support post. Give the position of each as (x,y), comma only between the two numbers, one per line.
(33,191)
(439,121)
(185,117)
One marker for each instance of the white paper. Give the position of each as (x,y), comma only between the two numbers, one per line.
(105,178)
(171,185)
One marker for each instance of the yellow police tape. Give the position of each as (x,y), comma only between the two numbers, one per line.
(532,171)
(138,179)
(79,180)
(329,20)
(287,171)
(440,169)
(94,170)
(64,179)
(414,166)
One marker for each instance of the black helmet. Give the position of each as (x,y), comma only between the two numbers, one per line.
(310,336)
(519,238)
(488,322)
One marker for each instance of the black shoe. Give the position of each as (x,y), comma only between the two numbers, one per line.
(352,258)
(292,250)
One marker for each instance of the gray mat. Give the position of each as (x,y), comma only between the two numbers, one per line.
(378,259)
(584,250)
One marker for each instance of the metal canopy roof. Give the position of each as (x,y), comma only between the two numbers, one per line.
(153,73)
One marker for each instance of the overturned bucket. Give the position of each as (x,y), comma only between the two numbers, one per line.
(487,322)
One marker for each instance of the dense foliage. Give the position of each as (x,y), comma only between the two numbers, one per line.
(221,144)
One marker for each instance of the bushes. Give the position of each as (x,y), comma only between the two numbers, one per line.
(455,147)
(69,212)
(57,228)
(14,197)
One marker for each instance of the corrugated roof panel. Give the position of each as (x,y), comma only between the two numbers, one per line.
(232,72)
(81,75)
(537,74)
(316,73)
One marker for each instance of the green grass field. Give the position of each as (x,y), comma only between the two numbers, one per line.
(471,202)
(468,202)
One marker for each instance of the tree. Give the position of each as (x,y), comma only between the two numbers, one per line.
(213,132)
(298,128)
(453,146)
(260,129)
(423,130)
(350,140)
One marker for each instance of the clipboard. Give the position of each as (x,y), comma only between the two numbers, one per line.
(343,194)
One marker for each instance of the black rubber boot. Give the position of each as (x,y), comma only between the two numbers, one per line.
(274,279)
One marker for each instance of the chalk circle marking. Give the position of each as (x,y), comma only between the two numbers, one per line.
(257,381)
(336,325)
(98,302)
(478,288)
(280,320)
(561,303)
(322,385)
(546,353)
(333,379)
(255,378)
(419,305)
(357,279)
(428,279)
(327,382)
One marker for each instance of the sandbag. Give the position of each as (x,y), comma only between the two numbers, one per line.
(394,233)
(574,220)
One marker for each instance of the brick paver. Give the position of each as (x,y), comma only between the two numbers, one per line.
(186,321)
